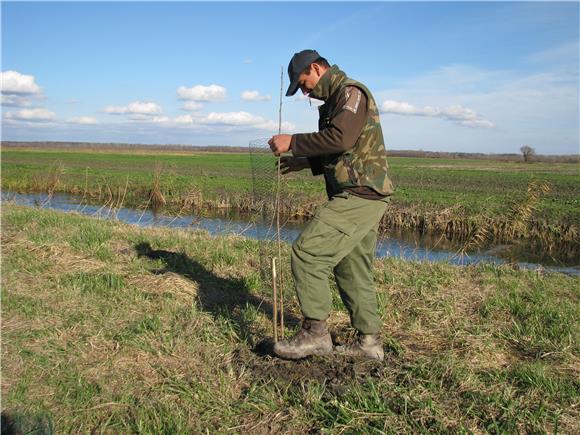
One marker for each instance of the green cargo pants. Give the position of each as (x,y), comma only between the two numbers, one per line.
(341,237)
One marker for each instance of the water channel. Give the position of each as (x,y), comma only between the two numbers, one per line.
(409,246)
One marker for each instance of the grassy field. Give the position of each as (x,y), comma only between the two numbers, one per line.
(456,197)
(112,328)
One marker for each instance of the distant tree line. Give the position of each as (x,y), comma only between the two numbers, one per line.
(526,152)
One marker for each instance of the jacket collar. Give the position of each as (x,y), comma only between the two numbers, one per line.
(329,83)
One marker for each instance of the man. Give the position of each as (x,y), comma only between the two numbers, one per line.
(349,151)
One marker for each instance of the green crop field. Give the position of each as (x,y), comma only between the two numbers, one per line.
(430,192)
(109,328)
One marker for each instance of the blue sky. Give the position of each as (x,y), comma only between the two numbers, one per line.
(448,76)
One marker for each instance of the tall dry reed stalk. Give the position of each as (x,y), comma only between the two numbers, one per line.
(521,213)
(48,181)
(155,194)
(518,220)
(121,194)
(53,179)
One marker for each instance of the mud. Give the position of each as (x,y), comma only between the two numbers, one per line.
(334,371)
(18,423)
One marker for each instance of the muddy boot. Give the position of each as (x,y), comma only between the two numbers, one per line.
(366,346)
(312,339)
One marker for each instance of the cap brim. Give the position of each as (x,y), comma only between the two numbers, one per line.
(292,88)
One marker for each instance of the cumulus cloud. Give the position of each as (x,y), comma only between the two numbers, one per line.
(247,61)
(255,96)
(31,115)
(456,113)
(15,101)
(233,118)
(14,82)
(83,120)
(243,119)
(224,121)
(18,89)
(184,119)
(135,108)
(191,106)
(202,93)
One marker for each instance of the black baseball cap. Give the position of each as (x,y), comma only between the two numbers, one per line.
(298,63)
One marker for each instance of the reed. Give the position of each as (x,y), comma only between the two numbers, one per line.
(523,220)
(155,195)
(519,217)
(455,223)
(45,180)
(522,213)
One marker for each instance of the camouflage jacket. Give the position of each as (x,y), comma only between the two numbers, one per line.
(357,160)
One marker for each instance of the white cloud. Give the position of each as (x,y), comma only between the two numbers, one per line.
(18,89)
(456,113)
(84,120)
(184,119)
(135,108)
(202,93)
(191,106)
(538,108)
(247,61)
(32,115)
(244,119)
(14,82)
(255,96)
(233,118)
(221,122)
(15,101)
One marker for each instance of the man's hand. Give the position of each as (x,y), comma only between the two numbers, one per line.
(280,143)
(293,164)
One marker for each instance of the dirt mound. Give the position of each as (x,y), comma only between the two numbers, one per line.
(333,370)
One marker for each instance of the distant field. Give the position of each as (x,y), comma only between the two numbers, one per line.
(420,182)
(177,148)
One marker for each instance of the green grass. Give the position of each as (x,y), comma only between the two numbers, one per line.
(121,329)
(473,202)
(424,183)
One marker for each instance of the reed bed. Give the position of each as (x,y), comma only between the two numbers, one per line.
(535,210)
(455,223)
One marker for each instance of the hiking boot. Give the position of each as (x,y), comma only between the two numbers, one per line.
(366,345)
(312,339)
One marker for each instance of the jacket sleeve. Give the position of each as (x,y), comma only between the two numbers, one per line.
(316,165)
(342,132)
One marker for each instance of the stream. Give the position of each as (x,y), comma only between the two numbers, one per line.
(408,246)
